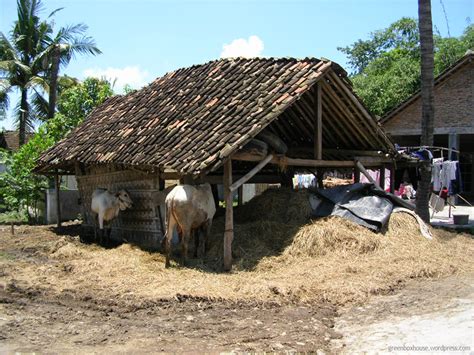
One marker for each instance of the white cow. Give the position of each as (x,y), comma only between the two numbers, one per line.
(188,208)
(106,206)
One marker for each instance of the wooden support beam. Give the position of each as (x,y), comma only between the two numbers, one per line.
(257,179)
(240,193)
(356,175)
(371,153)
(392,178)
(362,110)
(251,173)
(58,199)
(229,216)
(382,177)
(402,202)
(364,171)
(318,132)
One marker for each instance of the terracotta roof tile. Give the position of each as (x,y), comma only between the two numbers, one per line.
(191,119)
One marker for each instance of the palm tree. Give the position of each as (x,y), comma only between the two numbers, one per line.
(427,102)
(69,41)
(20,63)
(31,58)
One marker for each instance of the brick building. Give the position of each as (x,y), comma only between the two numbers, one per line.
(454,117)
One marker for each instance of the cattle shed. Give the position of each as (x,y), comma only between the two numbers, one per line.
(229,121)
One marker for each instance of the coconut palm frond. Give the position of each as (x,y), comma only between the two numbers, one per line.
(39,106)
(5,89)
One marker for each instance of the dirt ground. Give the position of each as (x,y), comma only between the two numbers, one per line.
(59,295)
(36,315)
(426,315)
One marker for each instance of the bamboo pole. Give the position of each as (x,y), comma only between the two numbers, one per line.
(58,200)
(229,216)
(318,126)
(251,173)
(240,191)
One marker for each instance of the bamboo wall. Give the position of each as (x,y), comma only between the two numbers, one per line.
(140,224)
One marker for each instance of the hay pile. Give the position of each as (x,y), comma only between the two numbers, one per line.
(332,258)
(281,205)
(280,255)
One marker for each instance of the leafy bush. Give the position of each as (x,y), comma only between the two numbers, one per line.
(20,188)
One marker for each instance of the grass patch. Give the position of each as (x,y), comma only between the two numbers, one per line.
(13,217)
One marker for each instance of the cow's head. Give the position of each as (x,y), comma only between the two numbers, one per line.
(124,200)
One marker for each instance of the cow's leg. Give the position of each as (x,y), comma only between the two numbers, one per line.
(96,225)
(196,234)
(170,225)
(108,232)
(184,245)
(199,241)
(101,227)
(205,238)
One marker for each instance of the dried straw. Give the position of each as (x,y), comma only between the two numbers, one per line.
(279,255)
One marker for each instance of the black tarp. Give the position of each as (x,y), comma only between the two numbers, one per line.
(360,203)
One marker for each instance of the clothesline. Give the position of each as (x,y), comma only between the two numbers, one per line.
(431,148)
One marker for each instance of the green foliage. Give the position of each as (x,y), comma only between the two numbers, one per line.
(31,57)
(127,89)
(76,103)
(386,67)
(402,34)
(19,186)
(387,81)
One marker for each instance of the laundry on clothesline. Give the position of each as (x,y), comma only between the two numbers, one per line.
(445,174)
(304,181)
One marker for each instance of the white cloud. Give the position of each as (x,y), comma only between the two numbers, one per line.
(241,47)
(131,75)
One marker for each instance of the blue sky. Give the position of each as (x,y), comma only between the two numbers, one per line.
(144,39)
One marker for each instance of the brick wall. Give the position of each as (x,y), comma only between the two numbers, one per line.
(454,102)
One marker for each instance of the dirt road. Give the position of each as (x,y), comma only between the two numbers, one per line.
(59,295)
(32,321)
(430,315)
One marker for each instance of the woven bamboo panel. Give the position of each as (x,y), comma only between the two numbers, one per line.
(141,223)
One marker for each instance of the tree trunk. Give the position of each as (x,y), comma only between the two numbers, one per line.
(23,117)
(427,102)
(53,84)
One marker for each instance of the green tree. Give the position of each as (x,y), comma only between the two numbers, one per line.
(30,60)
(21,62)
(402,35)
(68,42)
(386,67)
(19,186)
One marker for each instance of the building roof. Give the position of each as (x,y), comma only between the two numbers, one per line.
(10,140)
(192,119)
(446,74)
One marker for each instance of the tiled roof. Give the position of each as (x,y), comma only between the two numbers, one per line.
(10,140)
(191,119)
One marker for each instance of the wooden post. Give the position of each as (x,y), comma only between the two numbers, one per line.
(58,200)
(240,192)
(356,175)
(318,125)
(382,177)
(319,177)
(229,216)
(161,183)
(392,178)
(318,134)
